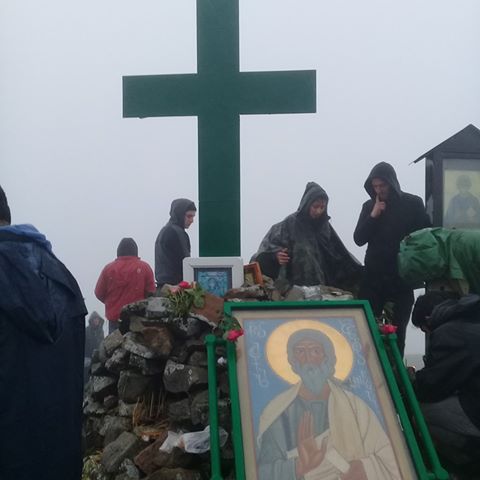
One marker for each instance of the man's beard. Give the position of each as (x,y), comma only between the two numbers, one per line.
(313,376)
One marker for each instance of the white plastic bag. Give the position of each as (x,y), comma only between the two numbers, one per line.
(192,442)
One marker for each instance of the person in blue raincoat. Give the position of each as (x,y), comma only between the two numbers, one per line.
(42,337)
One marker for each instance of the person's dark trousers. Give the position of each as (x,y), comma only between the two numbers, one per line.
(402,301)
(112,326)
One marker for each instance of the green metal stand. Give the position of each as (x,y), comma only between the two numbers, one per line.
(423,454)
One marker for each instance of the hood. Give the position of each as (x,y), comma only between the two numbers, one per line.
(92,317)
(313,192)
(28,232)
(467,307)
(387,173)
(179,207)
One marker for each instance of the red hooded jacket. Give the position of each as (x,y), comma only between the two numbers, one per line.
(125,280)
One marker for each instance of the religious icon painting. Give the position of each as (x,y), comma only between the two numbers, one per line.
(314,399)
(215,275)
(461,193)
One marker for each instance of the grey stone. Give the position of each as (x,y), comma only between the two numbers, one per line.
(110,402)
(147,366)
(91,407)
(131,472)
(198,359)
(178,377)
(146,459)
(113,427)
(179,411)
(200,410)
(132,309)
(127,445)
(131,386)
(112,342)
(157,307)
(185,327)
(125,409)
(103,387)
(102,353)
(98,369)
(152,343)
(118,361)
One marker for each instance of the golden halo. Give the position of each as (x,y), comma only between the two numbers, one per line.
(276,349)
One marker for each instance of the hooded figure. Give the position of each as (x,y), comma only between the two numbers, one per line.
(42,337)
(93,337)
(315,253)
(386,218)
(125,280)
(172,244)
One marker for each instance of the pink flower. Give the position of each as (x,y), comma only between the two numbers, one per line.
(232,335)
(387,329)
(183,284)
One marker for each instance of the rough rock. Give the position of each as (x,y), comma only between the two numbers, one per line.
(127,445)
(131,386)
(157,307)
(146,366)
(198,359)
(113,426)
(118,361)
(179,411)
(112,342)
(153,342)
(145,460)
(125,409)
(179,378)
(102,387)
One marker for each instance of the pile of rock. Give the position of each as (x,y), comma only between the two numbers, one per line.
(150,377)
(148,380)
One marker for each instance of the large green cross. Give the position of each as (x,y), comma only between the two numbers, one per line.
(218,94)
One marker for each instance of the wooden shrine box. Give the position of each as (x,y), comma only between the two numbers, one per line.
(452,180)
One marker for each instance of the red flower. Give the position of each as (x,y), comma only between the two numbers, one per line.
(183,284)
(232,335)
(387,329)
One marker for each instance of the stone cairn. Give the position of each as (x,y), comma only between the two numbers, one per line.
(149,378)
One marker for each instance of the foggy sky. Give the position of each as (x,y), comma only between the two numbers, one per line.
(394,79)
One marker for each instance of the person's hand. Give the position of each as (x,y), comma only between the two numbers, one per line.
(355,472)
(283,257)
(378,208)
(309,455)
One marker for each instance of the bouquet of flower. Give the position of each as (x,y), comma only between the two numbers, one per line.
(184,296)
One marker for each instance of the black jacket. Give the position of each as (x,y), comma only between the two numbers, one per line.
(317,255)
(452,362)
(42,336)
(173,244)
(404,214)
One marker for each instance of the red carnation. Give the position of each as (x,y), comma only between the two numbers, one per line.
(232,335)
(183,284)
(387,329)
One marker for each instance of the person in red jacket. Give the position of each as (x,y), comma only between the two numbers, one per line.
(125,280)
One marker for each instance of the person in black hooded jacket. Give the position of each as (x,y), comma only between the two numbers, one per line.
(448,387)
(384,221)
(307,247)
(173,244)
(42,337)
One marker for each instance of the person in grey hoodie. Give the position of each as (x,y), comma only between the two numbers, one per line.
(173,244)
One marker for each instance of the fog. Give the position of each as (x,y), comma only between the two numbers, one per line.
(394,79)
